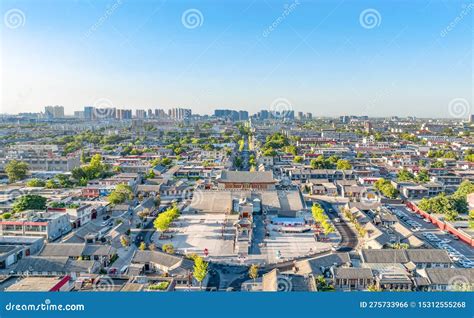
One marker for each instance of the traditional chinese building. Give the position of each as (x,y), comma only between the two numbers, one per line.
(261,180)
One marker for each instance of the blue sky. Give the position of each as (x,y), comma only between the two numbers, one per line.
(318,55)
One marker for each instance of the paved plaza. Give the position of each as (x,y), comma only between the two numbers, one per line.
(193,233)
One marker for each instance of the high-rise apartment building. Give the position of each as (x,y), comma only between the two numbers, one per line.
(180,113)
(54,111)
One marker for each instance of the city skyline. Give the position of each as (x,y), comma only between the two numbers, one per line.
(327,58)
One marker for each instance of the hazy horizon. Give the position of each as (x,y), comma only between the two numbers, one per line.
(330,58)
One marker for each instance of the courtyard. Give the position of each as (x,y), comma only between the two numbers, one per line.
(214,234)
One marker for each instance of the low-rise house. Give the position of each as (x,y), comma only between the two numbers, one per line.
(350,278)
(53,266)
(103,253)
(321,265)
(160,262)
(420,258)
(261,180)
(394,279)
(41,284)
(50,225)
(450,182)
(434,188)
(80,215)
(14,248)
(414,191)
(445,279)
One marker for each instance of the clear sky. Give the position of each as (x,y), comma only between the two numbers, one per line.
(331,58)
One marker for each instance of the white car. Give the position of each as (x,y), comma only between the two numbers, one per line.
(445,241)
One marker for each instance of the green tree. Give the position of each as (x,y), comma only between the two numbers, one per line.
(400,246)
(163,221)
(386,188)
(16,170)
(124,240)
(373,288)
(405,175)
(168,248)
(322,284)
(52,184)
(35,183)
(423,176)
(200,270)
(5,216)
(343,165)
(320,217)
(121,193)
(29,202)
(321,163)
(253,272)
(142,246)
(466,187)
(298,159)
(437,164)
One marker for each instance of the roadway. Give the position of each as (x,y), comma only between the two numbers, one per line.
(460,246)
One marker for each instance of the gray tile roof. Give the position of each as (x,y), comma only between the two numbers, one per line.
(246,176)
(99,250)
(156,257)
(54,264)
(405,256)
(445,276)
(428,256)
(314,265)
(353,273)
(63,249)
(384,256)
